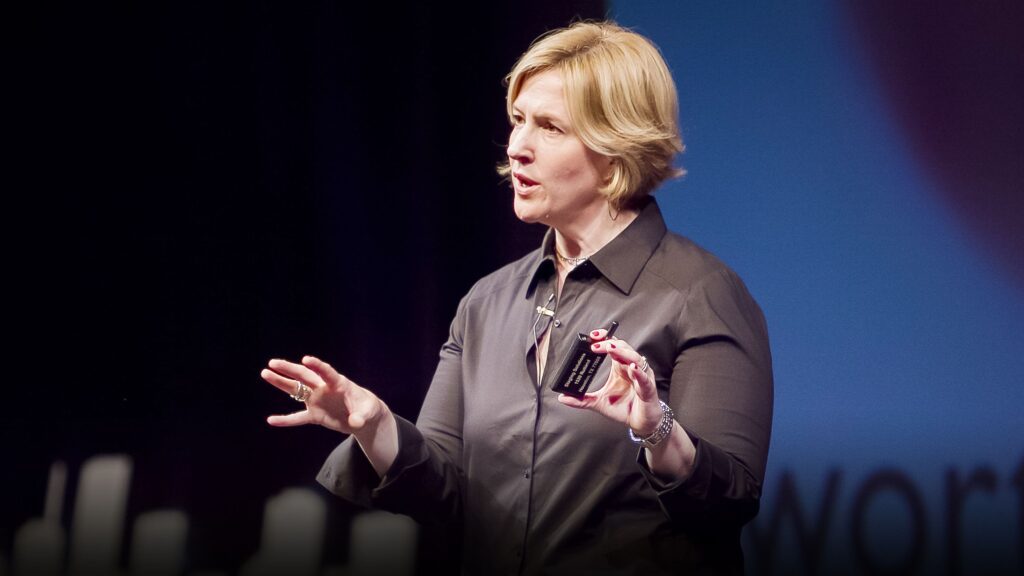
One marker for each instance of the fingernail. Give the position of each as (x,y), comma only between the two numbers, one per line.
(612,345)
(595,346)
(596,332)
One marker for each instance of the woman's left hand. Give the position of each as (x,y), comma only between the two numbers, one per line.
(630,395)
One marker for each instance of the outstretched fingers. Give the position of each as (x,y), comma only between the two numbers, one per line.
(294,419)
(325,371)
(354,398)
(296,372)
(289,385)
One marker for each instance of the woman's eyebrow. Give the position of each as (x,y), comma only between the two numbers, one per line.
(541,116)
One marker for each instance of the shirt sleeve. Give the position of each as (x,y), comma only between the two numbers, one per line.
(425,480)
(721,392)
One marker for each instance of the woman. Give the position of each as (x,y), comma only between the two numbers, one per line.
(657,468)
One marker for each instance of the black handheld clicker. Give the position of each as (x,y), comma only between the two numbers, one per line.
(580,365)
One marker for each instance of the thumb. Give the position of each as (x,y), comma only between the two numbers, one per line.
(586,401)
(356,421)
(363,408)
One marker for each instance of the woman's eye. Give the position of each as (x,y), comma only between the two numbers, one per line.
(516,120)
(552,128)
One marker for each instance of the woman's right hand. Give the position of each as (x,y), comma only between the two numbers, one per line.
(334,401)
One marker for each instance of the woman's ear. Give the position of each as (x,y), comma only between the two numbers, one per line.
(609,173)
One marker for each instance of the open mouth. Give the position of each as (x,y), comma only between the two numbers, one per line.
(524,182)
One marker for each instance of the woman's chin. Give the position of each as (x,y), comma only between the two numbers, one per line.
(528,211)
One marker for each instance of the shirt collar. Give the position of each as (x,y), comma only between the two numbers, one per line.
(622,259)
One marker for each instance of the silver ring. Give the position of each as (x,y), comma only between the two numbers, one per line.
(302,392)
(643,361)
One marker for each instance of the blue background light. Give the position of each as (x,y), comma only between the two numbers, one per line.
(896,337)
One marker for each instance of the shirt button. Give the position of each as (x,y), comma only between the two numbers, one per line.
(557,322)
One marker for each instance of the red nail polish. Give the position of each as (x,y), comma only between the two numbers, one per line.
(612,345)
(596,332)
(595,346)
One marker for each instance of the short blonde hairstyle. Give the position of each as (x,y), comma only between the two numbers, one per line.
(621,100)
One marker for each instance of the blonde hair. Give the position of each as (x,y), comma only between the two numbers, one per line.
(621,100)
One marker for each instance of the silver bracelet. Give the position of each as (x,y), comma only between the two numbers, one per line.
(661,432)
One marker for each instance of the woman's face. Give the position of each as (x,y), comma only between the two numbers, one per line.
(554,175)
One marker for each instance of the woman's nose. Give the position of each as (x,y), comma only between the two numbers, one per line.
(519,147)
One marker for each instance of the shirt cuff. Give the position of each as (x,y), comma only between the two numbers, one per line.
(348,473)
(695,486)
(411,452)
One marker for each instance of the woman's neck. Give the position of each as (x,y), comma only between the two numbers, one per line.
(586,235)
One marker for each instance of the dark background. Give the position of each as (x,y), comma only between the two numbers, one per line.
(201,187)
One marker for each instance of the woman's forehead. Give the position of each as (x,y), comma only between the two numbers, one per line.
(542,93)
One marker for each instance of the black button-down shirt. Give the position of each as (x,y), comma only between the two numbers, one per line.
(540,488)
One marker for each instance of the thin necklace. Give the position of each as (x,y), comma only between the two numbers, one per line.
(574,262)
